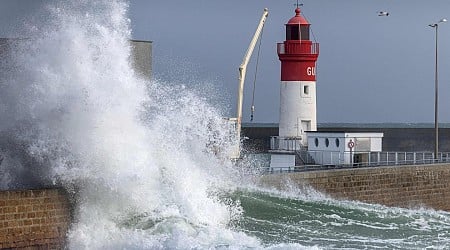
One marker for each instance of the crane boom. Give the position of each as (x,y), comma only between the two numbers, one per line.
(242,72)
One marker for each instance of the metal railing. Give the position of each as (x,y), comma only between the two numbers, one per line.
(298,48)
(400,158)
(286,143)
(333,160)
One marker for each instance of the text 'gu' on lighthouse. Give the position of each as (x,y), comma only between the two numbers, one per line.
(298,56)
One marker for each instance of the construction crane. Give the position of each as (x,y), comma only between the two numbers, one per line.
(242,72)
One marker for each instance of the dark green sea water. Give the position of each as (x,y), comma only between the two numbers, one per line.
(313,220)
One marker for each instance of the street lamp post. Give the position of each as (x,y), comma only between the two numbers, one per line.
(436,92)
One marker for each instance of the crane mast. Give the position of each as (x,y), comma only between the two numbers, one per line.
(242,72)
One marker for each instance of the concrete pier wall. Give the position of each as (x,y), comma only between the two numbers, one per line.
(400,186)
(397,137)
(141,53)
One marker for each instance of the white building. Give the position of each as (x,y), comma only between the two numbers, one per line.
(341,148)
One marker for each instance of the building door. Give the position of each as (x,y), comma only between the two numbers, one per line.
(357,159)
(306,126)
(302,127)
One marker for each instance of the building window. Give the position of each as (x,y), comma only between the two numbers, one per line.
(316,141)
(292,32)
(304,32)
(337,142)
(327,142)
(306,89)
(297,32)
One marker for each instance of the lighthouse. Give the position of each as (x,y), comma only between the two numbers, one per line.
(299,143)
(298,56)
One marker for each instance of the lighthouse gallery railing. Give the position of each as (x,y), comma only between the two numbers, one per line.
(298,48)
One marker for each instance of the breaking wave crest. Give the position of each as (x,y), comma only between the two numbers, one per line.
(141,158)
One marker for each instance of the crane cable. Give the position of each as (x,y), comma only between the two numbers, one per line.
(256,72)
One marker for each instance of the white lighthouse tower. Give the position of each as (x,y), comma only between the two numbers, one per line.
(298,56)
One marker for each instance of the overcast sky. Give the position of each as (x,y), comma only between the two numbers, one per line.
(370,68)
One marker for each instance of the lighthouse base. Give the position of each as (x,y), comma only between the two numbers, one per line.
(282,161)
(283,152)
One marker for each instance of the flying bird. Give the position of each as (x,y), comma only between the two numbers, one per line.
(383,13)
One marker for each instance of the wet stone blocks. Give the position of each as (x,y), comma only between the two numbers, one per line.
(401,186)
(34,219)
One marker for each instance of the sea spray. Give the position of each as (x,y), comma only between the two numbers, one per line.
(145,161)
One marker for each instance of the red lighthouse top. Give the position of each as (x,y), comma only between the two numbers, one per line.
(298,54)
(297,19)
(297,27)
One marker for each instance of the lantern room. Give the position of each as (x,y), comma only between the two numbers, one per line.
(297,27)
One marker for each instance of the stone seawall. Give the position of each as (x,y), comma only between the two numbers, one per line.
(39,219)
(402,186)
(34,219)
